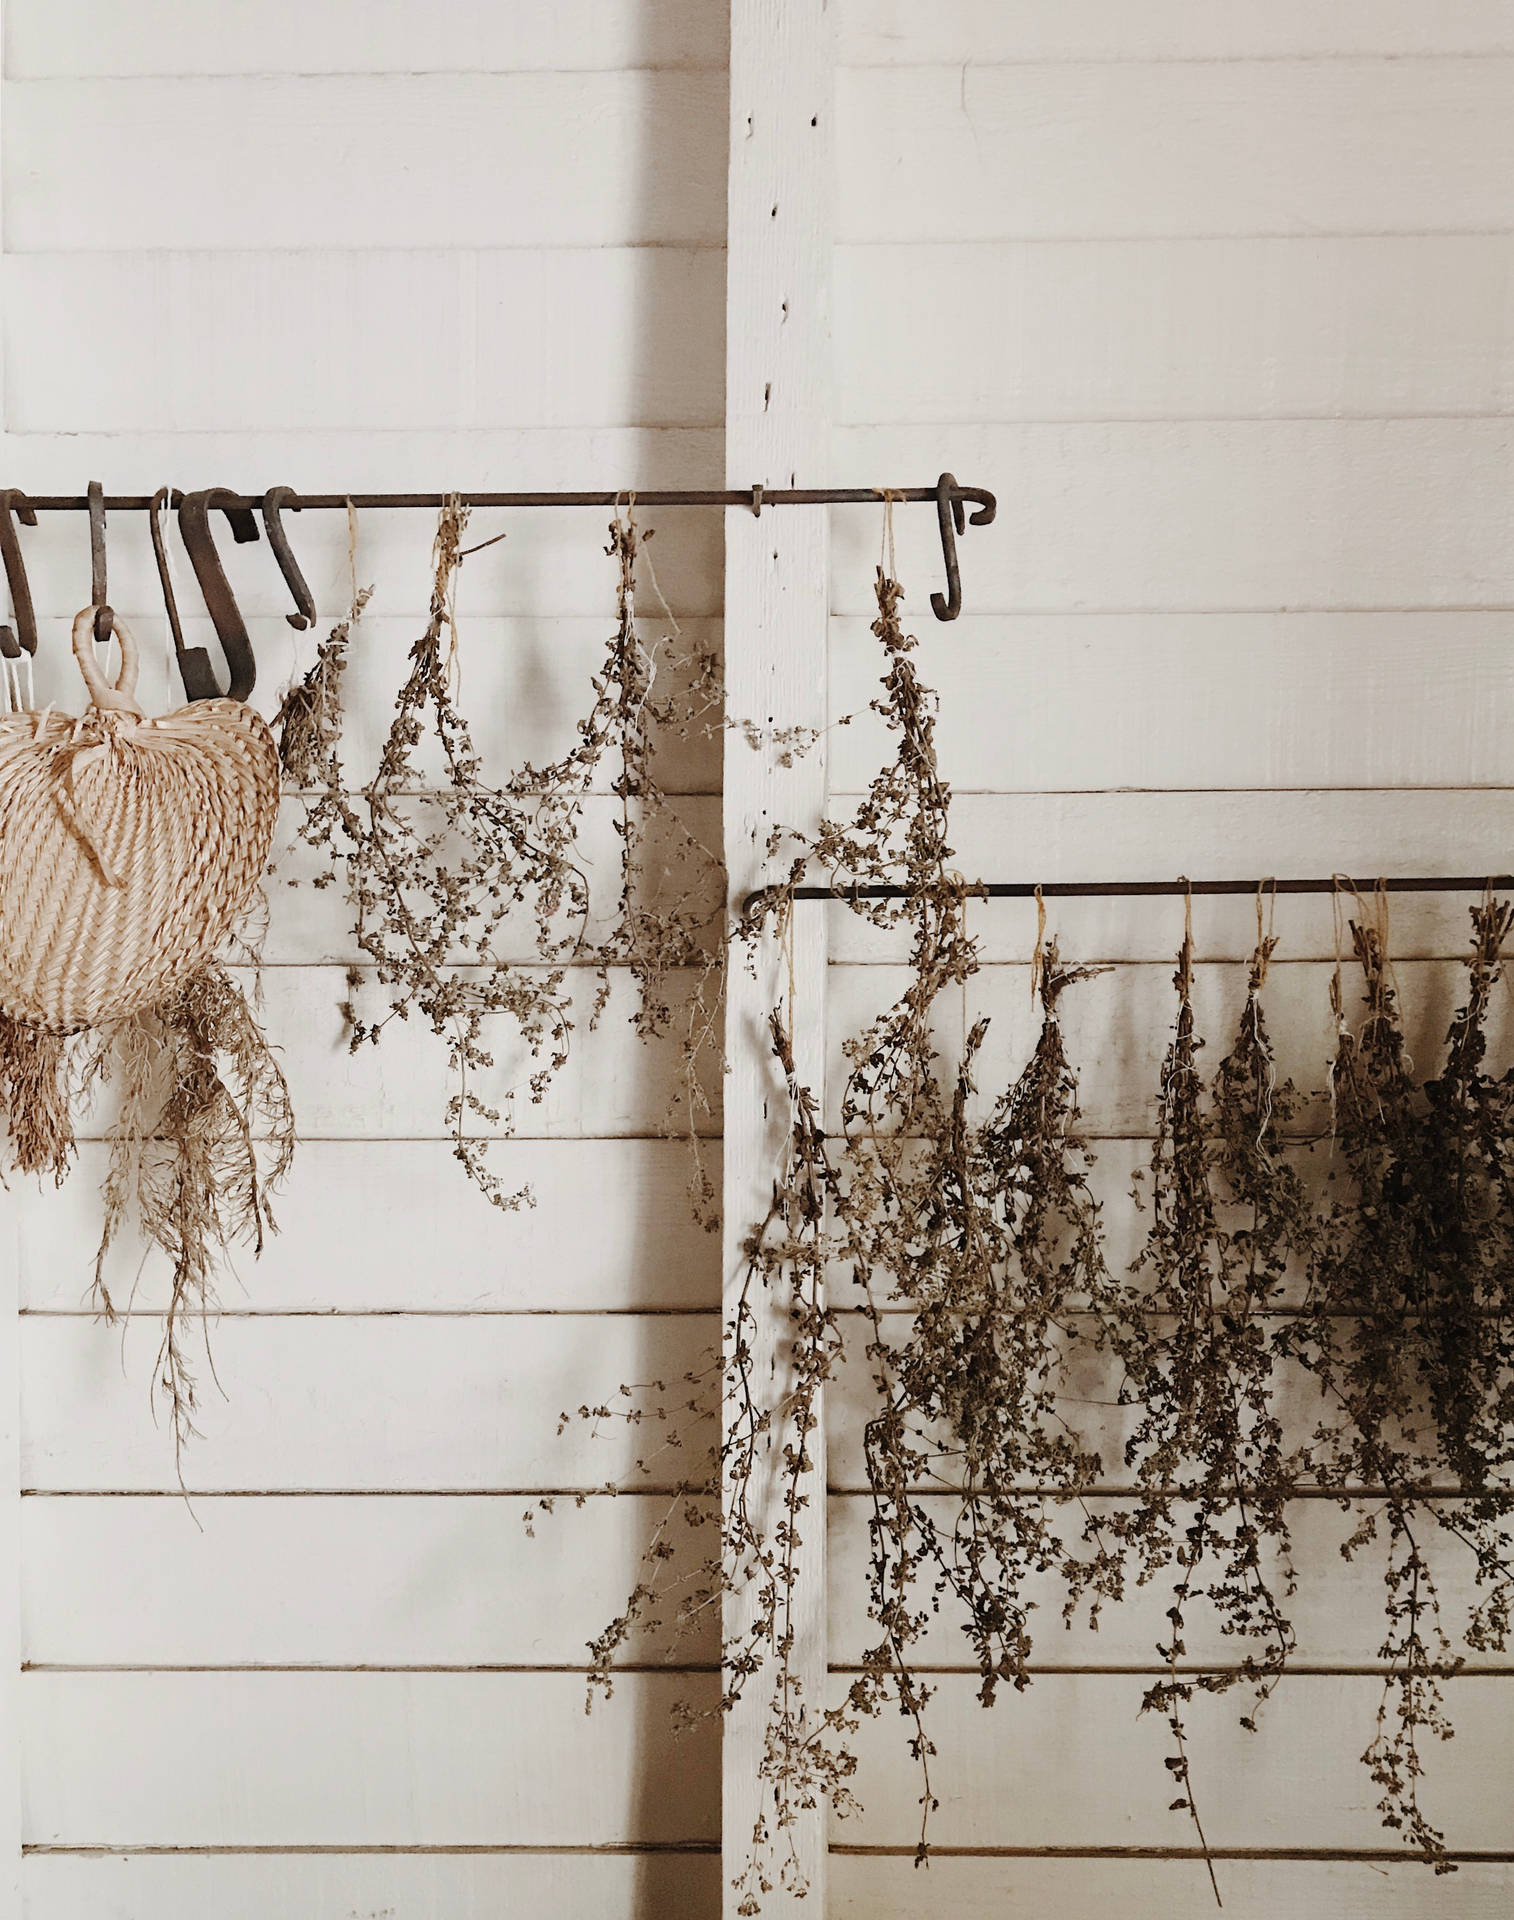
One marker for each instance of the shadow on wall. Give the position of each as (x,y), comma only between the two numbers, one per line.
(678,319)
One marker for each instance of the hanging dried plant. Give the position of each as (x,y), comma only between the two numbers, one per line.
(204,1131)
(308,724)
(1363,1335)
(441,876)
(995,1251)
(1212,1468)
(979,1244)
(961,1259)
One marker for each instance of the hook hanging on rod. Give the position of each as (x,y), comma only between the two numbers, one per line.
(22,638)
(274,502)
(220,602)
(952,518)
(105,620)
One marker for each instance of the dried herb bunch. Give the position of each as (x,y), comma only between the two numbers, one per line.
(1213,1470)
(996,1290)
(471,899)
(957,1257)
(1407,1329)
(203,1132)
(973,1266)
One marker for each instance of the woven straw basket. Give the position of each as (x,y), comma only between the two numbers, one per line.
(128,846)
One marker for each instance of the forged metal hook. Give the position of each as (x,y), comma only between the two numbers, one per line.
(274,502)
(160,500)
(952,515)
(195,510)
(105,620)
(14,506)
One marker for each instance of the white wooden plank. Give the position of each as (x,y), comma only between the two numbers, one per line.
(571,1886)
(572,159)
(778,354)
(492,459)
(614,1083)
(411,1234)
(607,336)
(1071,1762)
(1132,329)
(864,1888)
(382,1582)
(1042,703)
(1194,516)
(382,1404)
(359,36)
(1042,152)
(1216,836)
(903,33)
(355,1759)
(1337,1612)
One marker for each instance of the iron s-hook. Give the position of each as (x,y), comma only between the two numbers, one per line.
(952,515)
(105,620)
(15,506)
(274,502)
(195,510)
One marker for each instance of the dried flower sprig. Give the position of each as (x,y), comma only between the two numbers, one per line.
(1214,1472)
(443,876)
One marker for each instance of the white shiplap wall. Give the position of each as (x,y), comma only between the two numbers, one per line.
(1217,298)
(356,246)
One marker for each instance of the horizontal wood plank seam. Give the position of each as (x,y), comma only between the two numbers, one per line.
(193,1494)
(1254,418)
(1045,1670)
(1055,609)
(898,1310)
(389,1313)
(1297,1670)
(651,1489)
(1373,58)
(1468,1856)
(336,1850)
(1203,236)
(381,1666)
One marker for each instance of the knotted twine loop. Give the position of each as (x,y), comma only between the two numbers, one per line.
(96,734)
(1038,957)
(1265,939)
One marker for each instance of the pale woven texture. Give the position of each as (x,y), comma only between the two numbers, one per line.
(128,847)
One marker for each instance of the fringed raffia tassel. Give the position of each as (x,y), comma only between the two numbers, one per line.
(34,1097)
(203,1133)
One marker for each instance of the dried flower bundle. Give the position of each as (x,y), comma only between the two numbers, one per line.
(471,899)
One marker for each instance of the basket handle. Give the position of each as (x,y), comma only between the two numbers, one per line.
(120,698)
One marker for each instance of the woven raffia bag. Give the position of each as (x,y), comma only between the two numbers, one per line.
(128,846)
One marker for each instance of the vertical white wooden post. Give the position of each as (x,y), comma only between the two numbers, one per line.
(10,1572)
(10,1525)
(777,595)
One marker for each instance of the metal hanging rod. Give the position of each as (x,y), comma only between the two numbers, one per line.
(951,503)
(755,497)
(1161,889)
